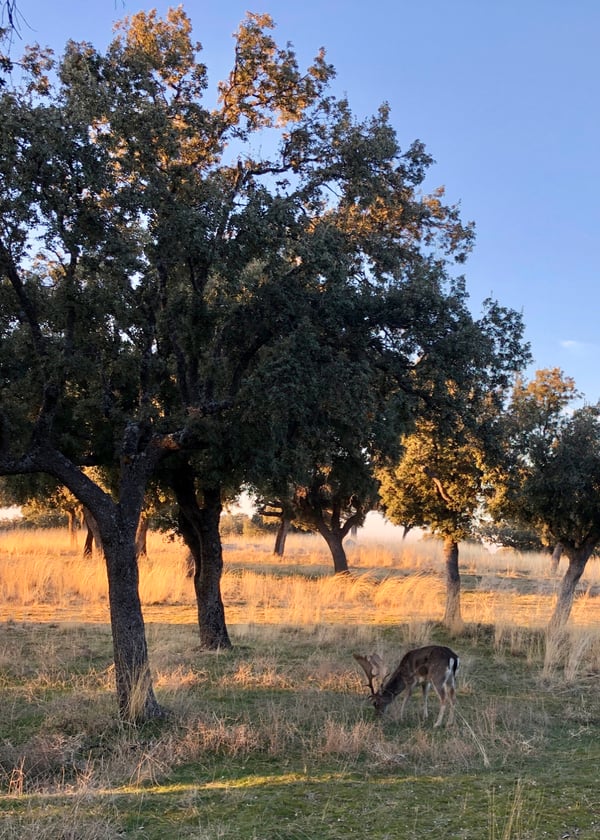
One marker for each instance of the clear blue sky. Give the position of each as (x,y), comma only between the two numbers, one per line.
(504,93)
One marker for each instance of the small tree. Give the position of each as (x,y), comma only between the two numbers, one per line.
(437,484)
(561,498)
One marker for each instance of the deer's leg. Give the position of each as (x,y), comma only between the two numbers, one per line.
(447,693)
(405,700)
(442,694)
(425,686)
(451,694)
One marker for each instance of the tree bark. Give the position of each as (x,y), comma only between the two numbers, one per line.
(115,525)
(72,525)
(141,536)
(335,540)
(452,616)
(556,555)
(282,532)
(88,545)
(199,527)
(92,535)
(135,694)
(578,557)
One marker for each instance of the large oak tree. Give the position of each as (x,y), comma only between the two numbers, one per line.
(212,280)
(118,236)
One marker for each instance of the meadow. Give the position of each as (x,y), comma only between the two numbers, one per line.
(276,739)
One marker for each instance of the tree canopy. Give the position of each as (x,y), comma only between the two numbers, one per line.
(551,476)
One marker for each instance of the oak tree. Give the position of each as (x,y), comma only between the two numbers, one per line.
(551,475)
(437,485)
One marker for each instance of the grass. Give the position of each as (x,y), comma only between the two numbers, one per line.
(275,740)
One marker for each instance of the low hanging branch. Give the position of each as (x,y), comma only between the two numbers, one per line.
(438,484)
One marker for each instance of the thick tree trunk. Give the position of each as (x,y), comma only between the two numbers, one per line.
(199,527)
(282,532)
(334,539)
(116,525)
(135,695)
(452,617)
(207,579)
(578,557)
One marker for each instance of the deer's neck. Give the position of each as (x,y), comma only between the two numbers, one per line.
(394,685)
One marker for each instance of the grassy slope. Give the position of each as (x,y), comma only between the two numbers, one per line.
(275,740)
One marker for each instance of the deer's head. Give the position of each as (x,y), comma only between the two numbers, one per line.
(375,669)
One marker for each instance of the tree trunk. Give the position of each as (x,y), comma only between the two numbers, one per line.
(199,527)
(135,695)
(207,579)
(334,539)
(116,524)
(556,555)
(89,543)
(452,617)
(93,533)
(141,536)
(282,532)
(578,557)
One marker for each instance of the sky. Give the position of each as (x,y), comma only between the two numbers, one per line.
(504,94)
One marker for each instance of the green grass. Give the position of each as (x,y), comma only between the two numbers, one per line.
(275,741)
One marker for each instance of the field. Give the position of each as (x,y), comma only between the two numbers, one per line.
(275,740)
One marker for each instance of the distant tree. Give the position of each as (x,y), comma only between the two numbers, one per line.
(333,505)
(282,512)
(441,364)
(40,497)
(437,484)
(552,477)
(507,534)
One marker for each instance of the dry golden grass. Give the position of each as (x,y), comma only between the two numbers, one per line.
(44,577)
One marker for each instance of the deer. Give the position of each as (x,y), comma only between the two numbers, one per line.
(433,665)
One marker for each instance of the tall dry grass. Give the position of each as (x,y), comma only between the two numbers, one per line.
(44,577)
(41,572)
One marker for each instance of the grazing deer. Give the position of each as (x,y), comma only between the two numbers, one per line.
(433,665)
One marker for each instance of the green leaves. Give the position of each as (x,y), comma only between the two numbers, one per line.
(437,482)
(262,276)
(551,474)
